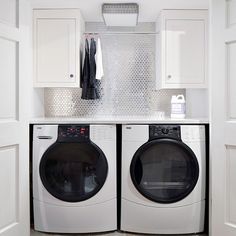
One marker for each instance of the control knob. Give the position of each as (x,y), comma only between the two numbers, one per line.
(165,130)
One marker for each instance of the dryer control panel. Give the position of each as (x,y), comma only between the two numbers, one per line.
(73,133)
(164,131)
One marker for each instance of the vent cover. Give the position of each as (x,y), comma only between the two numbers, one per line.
(120,14)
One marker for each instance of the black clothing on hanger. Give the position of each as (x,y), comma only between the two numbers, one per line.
(88,80)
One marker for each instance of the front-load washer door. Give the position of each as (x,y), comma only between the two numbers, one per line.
(73,169)
(164,170)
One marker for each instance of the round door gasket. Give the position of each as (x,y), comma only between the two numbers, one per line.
(62,197)
(147,145)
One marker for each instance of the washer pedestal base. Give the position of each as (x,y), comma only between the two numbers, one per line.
(73,219)
(176,220)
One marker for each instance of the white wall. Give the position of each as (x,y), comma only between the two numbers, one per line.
(36,95)
(197,103)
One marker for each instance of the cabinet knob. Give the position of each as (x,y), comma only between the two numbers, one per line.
(169,77)
(71,76)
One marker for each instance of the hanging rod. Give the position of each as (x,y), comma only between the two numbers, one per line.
(120,33)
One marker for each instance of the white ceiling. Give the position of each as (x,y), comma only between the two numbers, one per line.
(148,9)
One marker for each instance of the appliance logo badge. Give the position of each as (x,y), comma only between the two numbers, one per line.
(128,127)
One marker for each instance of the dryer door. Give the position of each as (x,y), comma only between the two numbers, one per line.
(73,172)
(164,170)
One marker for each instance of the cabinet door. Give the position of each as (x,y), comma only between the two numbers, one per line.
(55,51)
(57,47)
(182,53)
(185,52)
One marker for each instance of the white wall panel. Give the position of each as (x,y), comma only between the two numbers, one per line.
(231,79)
(9,79)
(36,95)
(230,185)
(8,12)
(9,185)
(231,13)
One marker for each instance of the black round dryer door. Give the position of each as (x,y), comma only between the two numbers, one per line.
(164,170)
(73,172)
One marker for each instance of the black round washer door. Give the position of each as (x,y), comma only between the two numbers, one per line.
(73,172)
(164,170)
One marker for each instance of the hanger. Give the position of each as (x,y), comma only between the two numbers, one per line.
(91,35)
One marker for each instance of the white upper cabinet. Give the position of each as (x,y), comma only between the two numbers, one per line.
(182,49)
(57,43)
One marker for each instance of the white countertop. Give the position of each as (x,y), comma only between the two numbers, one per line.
(116,120)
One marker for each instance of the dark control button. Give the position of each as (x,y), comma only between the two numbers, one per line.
(165,130)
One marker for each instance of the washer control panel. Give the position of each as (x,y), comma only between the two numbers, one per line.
(73,133)
(164,131)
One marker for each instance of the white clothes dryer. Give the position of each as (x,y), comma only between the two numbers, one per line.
(163,179)
(74,178)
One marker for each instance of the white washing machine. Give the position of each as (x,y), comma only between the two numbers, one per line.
(163,179)
(74,178)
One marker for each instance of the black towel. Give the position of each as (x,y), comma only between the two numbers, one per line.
(88,80)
